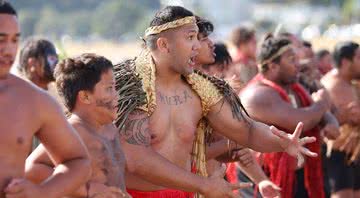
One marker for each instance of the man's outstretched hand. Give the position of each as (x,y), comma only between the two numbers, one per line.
(293,144)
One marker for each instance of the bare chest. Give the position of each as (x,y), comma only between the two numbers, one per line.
(107,158)
(17,125)
(176,116)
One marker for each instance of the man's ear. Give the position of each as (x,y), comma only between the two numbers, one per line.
(84,97)
(163,44)
(274,67)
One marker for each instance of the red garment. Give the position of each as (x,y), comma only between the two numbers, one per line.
(281,167)
(168,193)
(231,174)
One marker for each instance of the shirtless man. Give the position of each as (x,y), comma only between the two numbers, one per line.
(158,137)
(207,55)
(86,86)
(244,68)
(222,61)
(37,61)
(324,61)
(27,111)
(275,98)
(344,177)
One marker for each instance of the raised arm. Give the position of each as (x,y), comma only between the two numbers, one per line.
(247,164)
(252,134)
(265,105)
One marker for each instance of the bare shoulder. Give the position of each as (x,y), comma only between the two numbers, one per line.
(32,95)
(258,95)
(331,82)
(336,86)
(80,129)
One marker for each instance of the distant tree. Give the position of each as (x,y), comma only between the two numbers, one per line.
(82,18)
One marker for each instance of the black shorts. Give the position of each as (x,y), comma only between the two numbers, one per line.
(341,175)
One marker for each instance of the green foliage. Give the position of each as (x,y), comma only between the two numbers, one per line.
(110,19)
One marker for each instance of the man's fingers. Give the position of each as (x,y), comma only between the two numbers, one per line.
(246,159)
(279,133)
(241,185)
(246,163)
(270,193)
(307,152)
(356,153)
(346,145)
(349,147)
(240,153)
(307,140)
(298,130)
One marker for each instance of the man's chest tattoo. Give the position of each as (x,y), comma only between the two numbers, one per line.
(176,99)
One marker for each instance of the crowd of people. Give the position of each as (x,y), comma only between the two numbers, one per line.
(186,118)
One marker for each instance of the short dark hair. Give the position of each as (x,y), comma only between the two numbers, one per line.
(165,15)
(33,48)
(80,73)
(344,50)
(205,26)
(241,35)
(270,46)
(222,54)
(321,53)
(7,8)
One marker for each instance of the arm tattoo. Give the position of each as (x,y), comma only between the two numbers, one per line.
(136,129)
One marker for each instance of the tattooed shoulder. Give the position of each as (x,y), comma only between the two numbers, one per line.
(136,129)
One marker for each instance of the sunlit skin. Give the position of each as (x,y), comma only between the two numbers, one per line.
(22,118)
(344,97)
(92,118)
(158,147)
(265,104)
(220,148)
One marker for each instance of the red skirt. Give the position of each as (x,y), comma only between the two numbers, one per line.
(160,194)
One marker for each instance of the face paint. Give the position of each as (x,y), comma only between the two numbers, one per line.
(105,104)
(50,60)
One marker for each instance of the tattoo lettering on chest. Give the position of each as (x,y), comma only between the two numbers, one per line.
(176,99)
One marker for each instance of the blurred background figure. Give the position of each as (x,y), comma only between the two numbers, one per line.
(243,40)
(324,61)
(37,61)
(222,61)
